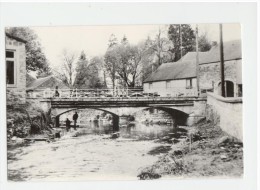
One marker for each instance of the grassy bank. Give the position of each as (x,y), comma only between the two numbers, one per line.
(206,151)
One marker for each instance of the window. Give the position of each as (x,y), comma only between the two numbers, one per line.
(240,90)
(150,85)
(168,83)
(188,83)
(10,68)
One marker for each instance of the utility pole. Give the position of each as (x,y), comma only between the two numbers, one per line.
(197,60)
(180,40)
(222,74)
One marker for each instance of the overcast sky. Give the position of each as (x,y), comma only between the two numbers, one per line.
(94,39)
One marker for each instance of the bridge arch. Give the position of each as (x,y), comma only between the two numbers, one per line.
(179,117)
(114,115)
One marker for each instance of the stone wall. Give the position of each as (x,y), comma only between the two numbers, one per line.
(229,111)
(16,94)
(209,74)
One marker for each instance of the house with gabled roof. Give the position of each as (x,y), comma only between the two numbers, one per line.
(174,78)
(180,78)
(38,86)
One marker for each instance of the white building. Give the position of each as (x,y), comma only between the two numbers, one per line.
(175,78)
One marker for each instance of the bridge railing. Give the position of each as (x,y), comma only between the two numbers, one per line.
(106,93)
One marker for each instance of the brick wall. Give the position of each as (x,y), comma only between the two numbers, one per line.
(15,94)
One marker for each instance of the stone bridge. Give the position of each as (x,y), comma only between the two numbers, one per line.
(184,110)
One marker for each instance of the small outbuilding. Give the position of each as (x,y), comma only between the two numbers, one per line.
(42,86)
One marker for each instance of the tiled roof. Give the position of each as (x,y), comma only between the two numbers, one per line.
(174,70)
(186,66)
(46,82)
(29,79)
(232,51)
(15,38)
(191,56)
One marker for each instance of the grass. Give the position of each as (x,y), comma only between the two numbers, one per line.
(205,157)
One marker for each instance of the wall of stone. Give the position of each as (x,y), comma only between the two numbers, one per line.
(229,111)
(210,74)
(16,94)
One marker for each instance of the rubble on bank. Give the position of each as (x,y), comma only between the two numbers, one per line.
(204,151)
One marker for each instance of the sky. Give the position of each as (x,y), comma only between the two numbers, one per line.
(94,39)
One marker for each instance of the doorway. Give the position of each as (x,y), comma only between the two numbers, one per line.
(229,88)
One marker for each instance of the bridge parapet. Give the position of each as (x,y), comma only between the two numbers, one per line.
(106,93)
(230,113)
(122,102)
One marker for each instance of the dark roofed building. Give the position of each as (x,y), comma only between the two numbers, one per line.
(42,85)
(173,79)
(173,71)
(46,82)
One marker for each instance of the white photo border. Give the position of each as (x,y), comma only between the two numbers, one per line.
(67,14)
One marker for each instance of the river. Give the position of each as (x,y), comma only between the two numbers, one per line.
(92,155)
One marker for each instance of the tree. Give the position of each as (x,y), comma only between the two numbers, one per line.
(44,72)
(181,43)
(110,59)
(110,64)
(152,55)
(155,52)
(123,60)
(35,58)
(67,71)
(124,41)
(162,48)
(87,73)
(128,62)
(99,62)
(112,41)
(204,43)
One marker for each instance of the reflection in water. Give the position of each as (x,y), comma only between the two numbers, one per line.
(139,131)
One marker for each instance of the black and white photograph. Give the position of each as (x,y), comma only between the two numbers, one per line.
(129,95)
(124,102)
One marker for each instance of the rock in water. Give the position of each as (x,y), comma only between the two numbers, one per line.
(115,135)
(223,157)
(224,139)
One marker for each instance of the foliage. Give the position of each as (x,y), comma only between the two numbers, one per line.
(67,72)
(123,60)
(35,58)
(161,47)
(110,59)
(87,73)
(185,41)
(98,61)
(204,43)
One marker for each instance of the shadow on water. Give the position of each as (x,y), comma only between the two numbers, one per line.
(137,130)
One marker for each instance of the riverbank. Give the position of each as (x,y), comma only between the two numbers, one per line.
(206,152)
(89,157)
(203,150)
